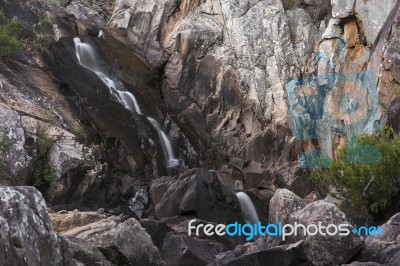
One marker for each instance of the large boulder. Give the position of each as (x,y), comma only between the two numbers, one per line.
(282,205)
(332,249)
(383,249)
(27,236)
(185,250)
(197,192)
(14,155)
(121,242)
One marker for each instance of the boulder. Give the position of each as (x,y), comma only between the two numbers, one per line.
(14,156)
(121,242)
(282,205)
(277,256)
(383,249)
(83,253)
(26,234)
(333,249)
(66,155)
(185,250)
(197,192)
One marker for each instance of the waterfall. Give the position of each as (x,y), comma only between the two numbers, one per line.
(87,57)
(166,145)
(249,212)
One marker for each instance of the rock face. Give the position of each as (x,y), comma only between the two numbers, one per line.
(27,236)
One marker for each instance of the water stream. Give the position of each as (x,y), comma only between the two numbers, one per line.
(249,212)
(87,58)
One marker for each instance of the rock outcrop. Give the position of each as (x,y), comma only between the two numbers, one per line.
(197,192)
(27,236)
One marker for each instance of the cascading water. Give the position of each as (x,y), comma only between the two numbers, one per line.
(166,144)
(249,212)
(87,58)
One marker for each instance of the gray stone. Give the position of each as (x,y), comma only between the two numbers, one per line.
(14,158)
(121,242)
(333,30)
(282,205)
(66,155)
(26,234)
(184,250)
(342,8)
(373,14)
(383,249)
(334,249)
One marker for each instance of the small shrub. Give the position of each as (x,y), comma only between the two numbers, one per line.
(9,32)
(5,146)
(44,174)
(44,141)
(372,187)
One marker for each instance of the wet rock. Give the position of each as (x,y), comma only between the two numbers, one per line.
(185,250)
(140,202)
(197,192)
(27,236)
(282,205)
(334,249)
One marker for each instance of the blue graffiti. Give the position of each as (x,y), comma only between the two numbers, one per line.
(335,104)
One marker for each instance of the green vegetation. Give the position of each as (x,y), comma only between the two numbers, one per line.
(366,183)
(44,174)
(14,34)
(9,32)
(5,146)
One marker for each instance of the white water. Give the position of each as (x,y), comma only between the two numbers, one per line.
(87,57)
(101,34)
(166,145)
(249,212)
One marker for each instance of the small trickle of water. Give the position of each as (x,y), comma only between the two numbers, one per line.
(101,34)
(249,212)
